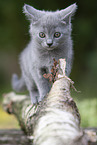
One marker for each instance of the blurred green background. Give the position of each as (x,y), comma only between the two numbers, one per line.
(14,37)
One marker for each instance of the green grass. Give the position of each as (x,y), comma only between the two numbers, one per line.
(88,112)
(7,121)
(87,105)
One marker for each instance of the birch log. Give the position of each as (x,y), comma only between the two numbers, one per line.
(55,120)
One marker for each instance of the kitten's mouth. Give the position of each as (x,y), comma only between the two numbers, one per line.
(49,48)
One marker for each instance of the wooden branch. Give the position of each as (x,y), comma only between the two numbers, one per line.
(55,120)
(13,137)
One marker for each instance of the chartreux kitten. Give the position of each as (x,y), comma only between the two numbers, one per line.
(50,38)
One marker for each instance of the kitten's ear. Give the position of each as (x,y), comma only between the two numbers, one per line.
(32,14)
(67,13)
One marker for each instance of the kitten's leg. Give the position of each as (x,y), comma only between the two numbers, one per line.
(68,67)
(69,62)
(33,95)
(68,70)
(43,87)
(43,90)
(33,91)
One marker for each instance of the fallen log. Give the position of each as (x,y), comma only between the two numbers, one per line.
(13,137)
(55,120)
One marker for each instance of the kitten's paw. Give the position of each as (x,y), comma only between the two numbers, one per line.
(41,98)
(34,101)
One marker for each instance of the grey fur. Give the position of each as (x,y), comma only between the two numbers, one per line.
(37,57)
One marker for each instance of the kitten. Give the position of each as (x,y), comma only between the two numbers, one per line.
(50,38)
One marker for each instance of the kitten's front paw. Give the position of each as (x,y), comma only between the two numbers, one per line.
(41,98)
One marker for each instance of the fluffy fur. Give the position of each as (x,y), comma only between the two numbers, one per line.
(50,38)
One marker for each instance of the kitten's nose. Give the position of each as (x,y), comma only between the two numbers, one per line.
(49,42)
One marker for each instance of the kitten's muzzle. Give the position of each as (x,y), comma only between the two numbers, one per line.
(49,42)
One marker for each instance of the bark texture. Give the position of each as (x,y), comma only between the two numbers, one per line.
(17,137)
(55,120)
(13,137)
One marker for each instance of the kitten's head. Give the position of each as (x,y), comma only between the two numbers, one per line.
(50,29)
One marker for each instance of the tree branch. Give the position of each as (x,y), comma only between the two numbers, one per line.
(55,120)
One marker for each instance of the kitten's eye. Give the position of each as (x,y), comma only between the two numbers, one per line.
(57,34)
(41,34)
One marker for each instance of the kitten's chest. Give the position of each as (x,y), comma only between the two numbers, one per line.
(45,62)
(44,66)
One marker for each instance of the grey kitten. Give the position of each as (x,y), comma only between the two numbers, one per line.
(50,38)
